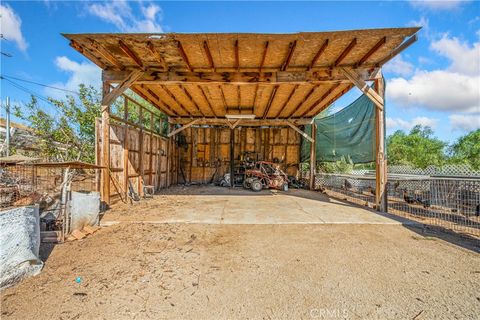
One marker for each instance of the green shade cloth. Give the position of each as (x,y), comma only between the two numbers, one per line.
(348,134)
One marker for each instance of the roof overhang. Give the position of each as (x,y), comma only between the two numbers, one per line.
(273,76)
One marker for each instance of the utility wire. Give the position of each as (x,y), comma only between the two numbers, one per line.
(38,84)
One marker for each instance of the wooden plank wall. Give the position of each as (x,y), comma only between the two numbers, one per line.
(138,158)
(205,156)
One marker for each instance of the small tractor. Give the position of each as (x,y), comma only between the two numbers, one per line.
(265,175)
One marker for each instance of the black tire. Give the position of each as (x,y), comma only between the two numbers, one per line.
(256,185)
(246,185)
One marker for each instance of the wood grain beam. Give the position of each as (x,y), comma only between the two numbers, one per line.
(178,130)
(154,100)
(185,91)
(319,100)
(291,50)
(364,87)
(171,95)
(330,101)
(345,52)
(318,54)
(184,55)
(156,53)
(264,55)
(105,54)
(130,53)
(244,122)
(305,98)
(270,101)
(109,97)
(207,100)
(407,43)
(209,55)
(303,134)
(241,78)
(237,59)
(87,53)
(374,49)
(287,101)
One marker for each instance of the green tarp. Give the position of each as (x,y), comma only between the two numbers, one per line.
(349,133)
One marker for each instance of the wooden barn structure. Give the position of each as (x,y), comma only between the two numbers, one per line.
(225,94)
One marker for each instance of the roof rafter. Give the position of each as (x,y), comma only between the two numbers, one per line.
(209,55)
(291,49)
(129,52)
(184,55)
(207,100)
(345,52)
(287,101)
(270,101)
(318,54)
(374,49)
(185,91)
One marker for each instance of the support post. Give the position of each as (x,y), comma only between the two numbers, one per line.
(106,146)
(126,156)
(313,157)
(381,163)
(232,156)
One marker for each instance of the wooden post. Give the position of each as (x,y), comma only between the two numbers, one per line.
(381,164)
(106,147)
(125,148)
(313,157)
(98,155)
(140,154)
(232,156)
(150,160)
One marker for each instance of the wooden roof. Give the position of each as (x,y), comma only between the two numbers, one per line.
(274,76)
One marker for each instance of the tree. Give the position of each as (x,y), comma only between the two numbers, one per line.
(69,134)
(466,150)
(419,148)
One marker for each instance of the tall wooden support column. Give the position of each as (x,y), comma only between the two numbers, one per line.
(232,156)
(381,162)
(126,156)
(313,156)
(105,181)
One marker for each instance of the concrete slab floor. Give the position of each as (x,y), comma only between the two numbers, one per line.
(217,205)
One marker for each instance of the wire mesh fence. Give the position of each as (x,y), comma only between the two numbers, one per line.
(22,185)
(452,202)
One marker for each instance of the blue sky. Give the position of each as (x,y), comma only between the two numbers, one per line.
(435,82)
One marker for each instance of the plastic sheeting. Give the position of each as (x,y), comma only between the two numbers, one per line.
(19,245)
(348,134)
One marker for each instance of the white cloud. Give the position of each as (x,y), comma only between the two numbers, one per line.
(121,15)
(399,66)
(438,4)
(465,123)
(85,72)
(398,123)
(11,27)
(455,88)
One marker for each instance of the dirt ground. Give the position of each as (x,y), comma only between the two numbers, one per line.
(145,270)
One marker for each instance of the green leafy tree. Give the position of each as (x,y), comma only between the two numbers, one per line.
(419,148)
(466,150)
(68,133)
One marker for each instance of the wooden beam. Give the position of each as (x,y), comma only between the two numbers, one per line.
(318,54)
(270,101)
(148,95)
(242,78)
(244,122)
(303,134)
(364,87)
(345,52)
(233,125)
(171,95)
(156,53)
(129,53)
(124,85)
(305,98)
(397,50)
(105,54)
(223,98)
(313,156)
(330,101)
(374,49)
(105,181)
(381,163)
(263,56)
(304,102)
(232,158)
(320,100)
(209,55)
(291,49)
(237,59)
(207,100)
(185,91)
(287,101)
(184,55)
(87,53)
(178,130)
(239,99)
